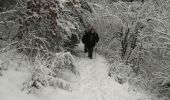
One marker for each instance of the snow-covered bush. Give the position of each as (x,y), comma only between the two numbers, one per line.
(48,72)
(147,24)
(47,25)
(120,72)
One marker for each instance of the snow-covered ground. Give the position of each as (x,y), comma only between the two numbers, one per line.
(93,84)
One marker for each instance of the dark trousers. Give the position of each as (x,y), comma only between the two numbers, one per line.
(85,48)
(90,52)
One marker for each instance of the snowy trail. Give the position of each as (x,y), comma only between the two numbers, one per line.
(96,84)
(93,84)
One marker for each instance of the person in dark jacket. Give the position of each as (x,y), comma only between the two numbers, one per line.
(90,39)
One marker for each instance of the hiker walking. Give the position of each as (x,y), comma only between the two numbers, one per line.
(90,39)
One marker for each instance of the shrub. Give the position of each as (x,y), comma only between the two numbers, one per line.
(47,72)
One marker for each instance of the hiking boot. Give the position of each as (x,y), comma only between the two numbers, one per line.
(90,57)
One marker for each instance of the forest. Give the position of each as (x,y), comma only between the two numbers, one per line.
(42,55)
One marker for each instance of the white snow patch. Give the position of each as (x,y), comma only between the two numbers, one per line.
(9,91)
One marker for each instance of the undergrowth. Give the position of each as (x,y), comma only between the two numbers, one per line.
(48,72)
(138,48)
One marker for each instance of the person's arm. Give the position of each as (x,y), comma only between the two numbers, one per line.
(84,38)
(97,38)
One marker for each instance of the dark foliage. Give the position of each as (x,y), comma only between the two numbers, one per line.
(7,4)
(45,26)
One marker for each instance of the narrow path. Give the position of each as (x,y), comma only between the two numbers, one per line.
(95,83)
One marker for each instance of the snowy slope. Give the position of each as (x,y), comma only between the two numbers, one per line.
(93,84)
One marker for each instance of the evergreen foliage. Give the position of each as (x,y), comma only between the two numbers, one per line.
(46,25)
